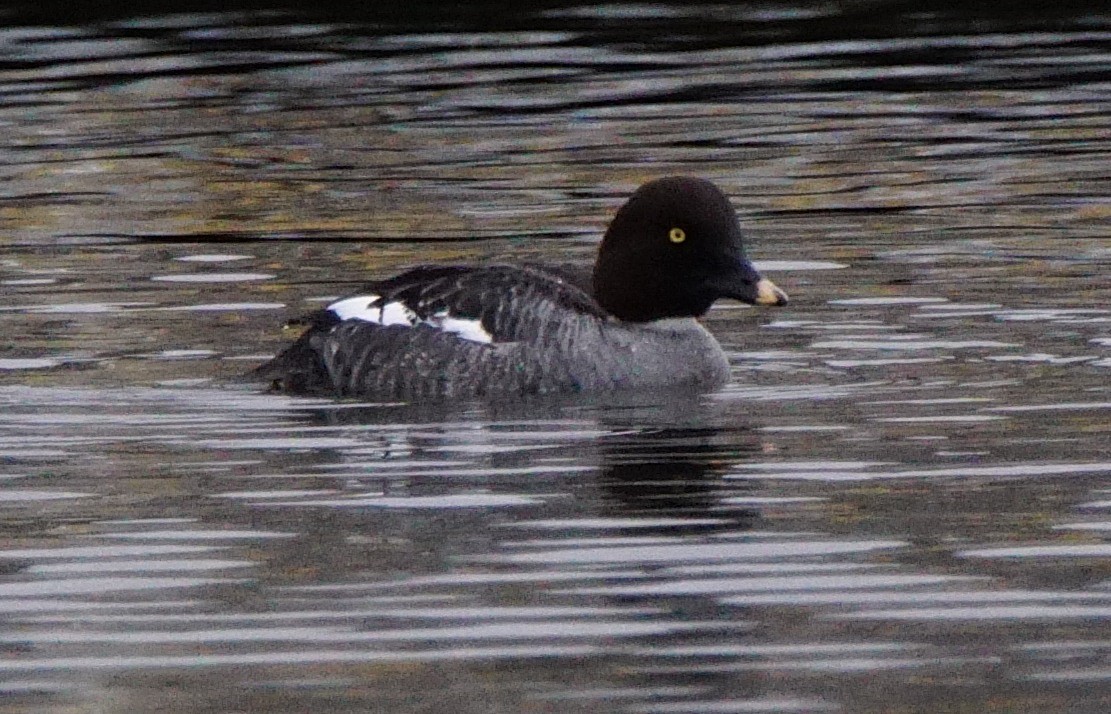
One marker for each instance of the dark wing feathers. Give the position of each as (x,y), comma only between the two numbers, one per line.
(532,314)
(513,302)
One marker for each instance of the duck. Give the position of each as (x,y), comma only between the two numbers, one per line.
(503,330)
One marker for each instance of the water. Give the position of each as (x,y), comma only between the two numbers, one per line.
(900,503)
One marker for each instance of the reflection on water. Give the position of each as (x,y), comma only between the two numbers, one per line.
(899,503)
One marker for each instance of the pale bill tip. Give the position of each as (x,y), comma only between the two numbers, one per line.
(768,294)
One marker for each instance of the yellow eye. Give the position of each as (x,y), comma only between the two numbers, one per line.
(677,235)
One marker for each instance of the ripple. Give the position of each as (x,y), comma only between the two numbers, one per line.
(1040,551)
(795,265)
(283,444)
(28,281)
(771,500)
(101,586)
(140,566)
(802,583)
(29,363)
(909,344)
(103,551)
(1065,406)
(1041,612)
(22,495)
(694,552)
(755,705)
(1049,314)
(183,354)
(198,535)
(984,308)
(852,363)
(859,598)
(610,523)
(213,277)
(1089,526)
(292,657)
(896,300)
(520,630)
(799,471)
(458,500)
(212,258)
(960,418)
(275,494)
(804,429)
(1042,358)
(81,308)
(225,307)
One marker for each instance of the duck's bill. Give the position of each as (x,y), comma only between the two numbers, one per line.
(767,293)
(753,289)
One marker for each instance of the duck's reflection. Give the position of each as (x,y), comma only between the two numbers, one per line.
(671,478)
(643,467)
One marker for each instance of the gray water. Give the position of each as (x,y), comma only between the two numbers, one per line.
(900,503)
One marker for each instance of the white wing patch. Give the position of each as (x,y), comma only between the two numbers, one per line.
(363,308)
(467,328)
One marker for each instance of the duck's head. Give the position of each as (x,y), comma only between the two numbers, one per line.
(672,250)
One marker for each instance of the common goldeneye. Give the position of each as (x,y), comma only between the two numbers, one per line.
(459,331)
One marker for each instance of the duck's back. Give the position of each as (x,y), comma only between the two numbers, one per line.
(466,331)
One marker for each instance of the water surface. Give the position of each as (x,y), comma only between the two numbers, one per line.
(900,503)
